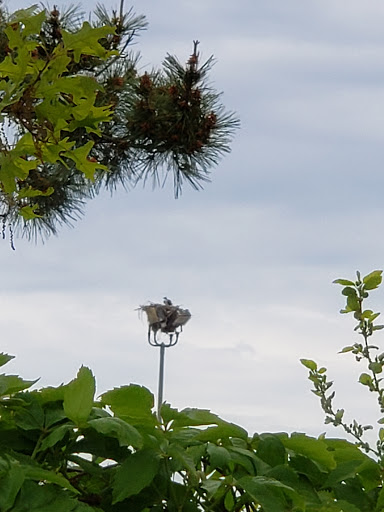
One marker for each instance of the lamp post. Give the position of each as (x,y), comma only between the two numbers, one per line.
(164,321)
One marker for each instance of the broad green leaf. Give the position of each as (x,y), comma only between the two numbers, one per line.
(34,497)
(10,384)
(372,280)
(248,460)
(135,473)
(134,403)
(55,436)
(342,472)
(222,431)
(229,501)
(308,363)
(43,475)
(197,417)
(315,449)
(306,466)
(10,485)
(370,474)
(380,500)
(79,396)
(50,394)
(211,485)
(218,456)
(30,417)
(343,282)
(271,450)
(180,460)
(5,358)
(266,492)
(119,429)
(201,417)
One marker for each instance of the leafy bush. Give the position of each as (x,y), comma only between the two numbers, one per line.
(60,449)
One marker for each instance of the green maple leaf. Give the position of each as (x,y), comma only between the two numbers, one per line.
(12,167)
(53,151)
(28,23)
(28,212)
(32,192)
(81,158)
(13,164)
(89,117)
(86,41)
(77,87)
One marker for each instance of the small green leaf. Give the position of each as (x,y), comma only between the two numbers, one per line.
(343,282)
(353,303)
(375,367)
(349,292)
(365,379)
(32,192)
(28,212)
(346,349)
(229,500)
(308,363)
(372,280)
(79,396)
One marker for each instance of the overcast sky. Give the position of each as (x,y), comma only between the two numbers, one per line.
(298,203)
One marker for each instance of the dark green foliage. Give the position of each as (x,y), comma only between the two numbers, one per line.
(61,450)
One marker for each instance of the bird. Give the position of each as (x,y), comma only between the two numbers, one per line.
(167,302)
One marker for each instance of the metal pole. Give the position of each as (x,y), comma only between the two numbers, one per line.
(161,381)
